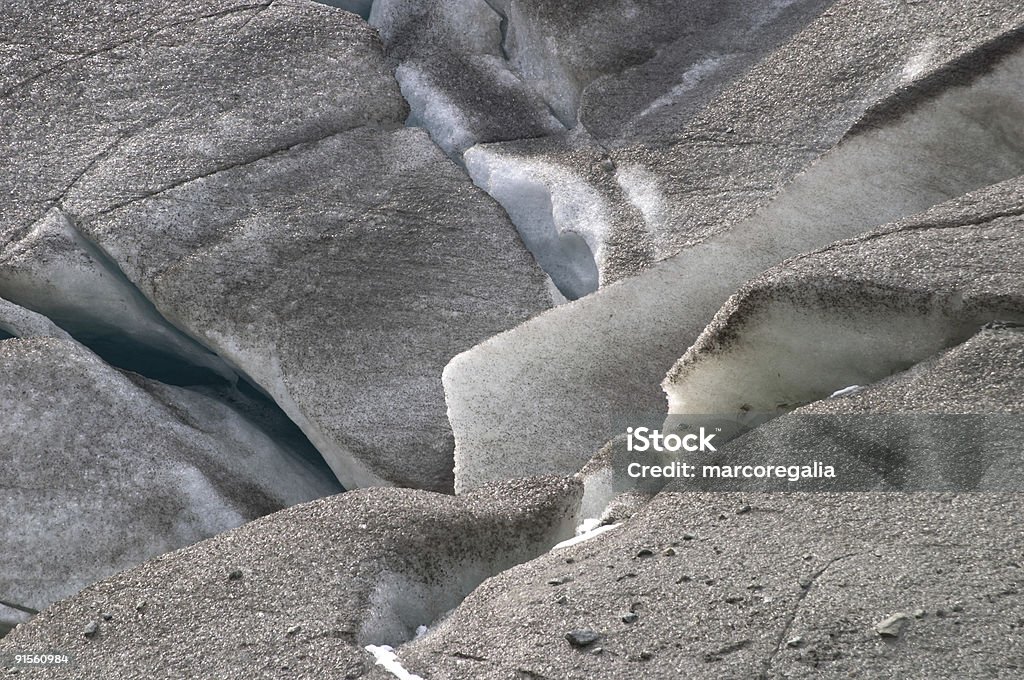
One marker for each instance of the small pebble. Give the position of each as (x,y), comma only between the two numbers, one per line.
(582,637)
(794,642)
(744,510)
(91,629)
(292,630)
(107,616)
(645,553)
(920,613)
(688,537)
(631,617)
(669,552)
(235,575)
(892,626)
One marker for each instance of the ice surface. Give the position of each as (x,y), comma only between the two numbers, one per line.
(18,322)
(859,310)
(545,396)
(360,7)
(106,469)
(454,75)
(950,423)
(368,567)
(561,219)
(56,272)
(852,389)
(323,287)
(585,533)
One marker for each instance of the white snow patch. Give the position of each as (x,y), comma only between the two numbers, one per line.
(386,657)
(690,79)
(585,531)
(852,389)
(919,63)
(562,220)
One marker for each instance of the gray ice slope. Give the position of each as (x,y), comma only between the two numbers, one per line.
(312,585)
(341,277)
(102,470)
(859,310)
(759,586)
(453,71)
(545,396)
(739,125)
(953,422)
(482,72)
(53,270)
(149,126)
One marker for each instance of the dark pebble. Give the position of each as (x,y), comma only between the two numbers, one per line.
(582,638)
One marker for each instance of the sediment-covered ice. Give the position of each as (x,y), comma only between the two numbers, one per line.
(341,277)
(167,93)
(53,270)
(953,422)
(859,310)
(360,7)
(18,322)
(713,585)
(547,395)
(562,218)
(736,133)
(104,470)
(492,73)
(247,169)
(454,73)
(308,587)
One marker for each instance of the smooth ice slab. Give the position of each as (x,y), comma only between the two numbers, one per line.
(341,277)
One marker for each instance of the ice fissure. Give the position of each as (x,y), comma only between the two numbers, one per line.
(57,272)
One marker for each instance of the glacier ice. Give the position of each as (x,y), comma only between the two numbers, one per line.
(859,310)
(105,469)
(953,422)
(367,567)
(548,394)
(54,271)
(321,284)
(314,225)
